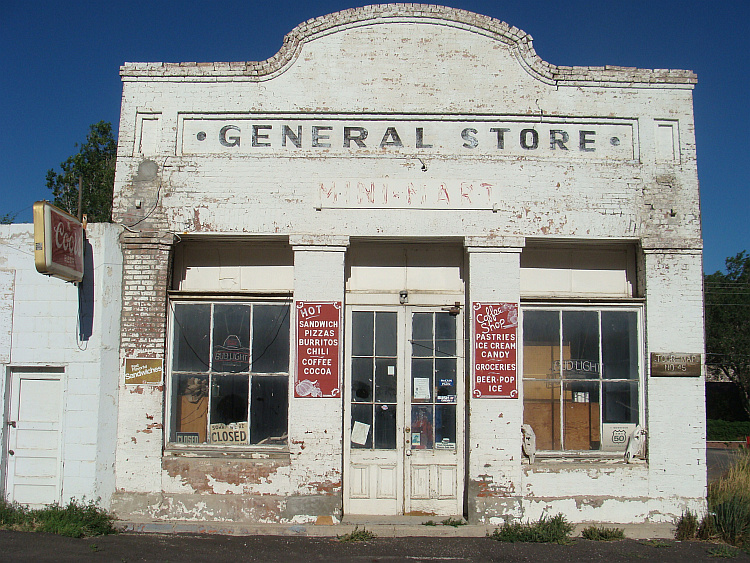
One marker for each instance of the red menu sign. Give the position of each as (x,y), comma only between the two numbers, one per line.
(318,338)
(494,359)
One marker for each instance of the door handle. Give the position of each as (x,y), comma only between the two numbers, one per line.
(12,423)
(11,452)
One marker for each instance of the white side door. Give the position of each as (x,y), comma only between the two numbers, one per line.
(404,397)
(33,467)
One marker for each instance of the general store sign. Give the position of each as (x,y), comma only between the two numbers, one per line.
(302,134)
(494,371)
(58,243)
(318,371)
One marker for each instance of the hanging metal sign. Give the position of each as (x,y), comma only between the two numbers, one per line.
(58,243)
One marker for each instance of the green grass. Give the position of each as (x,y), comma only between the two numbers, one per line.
(357,535)
(728,517)
(75,520)
(687,526)
(723,551)
(656,543)
(729,502)
(726,431)
(455,522)
(599,533)
(545,530)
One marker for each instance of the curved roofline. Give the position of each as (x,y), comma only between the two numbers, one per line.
(520,42)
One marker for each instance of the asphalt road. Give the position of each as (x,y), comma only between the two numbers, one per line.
(133,547)
(126,548)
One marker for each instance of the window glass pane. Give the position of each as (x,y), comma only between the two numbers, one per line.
(445,426)
(445,380)
(421,378)
(268,410)
(580,345)
(385,427)
(270,339)
(189,409)
(541,344)
(421,427)
(363,323)
(229,401)
(620,402)
(385,334)
(192,326)
(362,380)
(362,419)
(541,410)
(231,343)
(385,380)
(581,415)
(620,344)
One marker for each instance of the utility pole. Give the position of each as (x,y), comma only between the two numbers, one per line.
(80,198)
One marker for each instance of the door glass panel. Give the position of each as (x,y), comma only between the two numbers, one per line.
(421,427)
(445,426)
(386,334)
(362,380)
(374,379)
(422,335)
(433,371)
(385,427)
(363,323)
(362,426)
(445,380)
(385,380)
(421,378)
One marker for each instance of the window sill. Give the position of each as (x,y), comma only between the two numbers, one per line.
(569,458)
(223,452)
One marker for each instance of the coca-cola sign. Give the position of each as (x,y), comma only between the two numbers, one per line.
(58,243)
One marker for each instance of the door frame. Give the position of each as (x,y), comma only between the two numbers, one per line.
(401,456)
(13,374)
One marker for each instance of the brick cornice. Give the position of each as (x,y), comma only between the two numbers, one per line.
(521,44)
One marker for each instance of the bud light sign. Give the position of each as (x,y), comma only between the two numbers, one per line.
(58,243)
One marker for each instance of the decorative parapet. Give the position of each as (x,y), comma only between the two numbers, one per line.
(521,44)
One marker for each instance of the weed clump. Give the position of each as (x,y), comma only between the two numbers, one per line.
(728,517)
(357,535)
(455,522)
(600,533)
(545,530)
(75,520)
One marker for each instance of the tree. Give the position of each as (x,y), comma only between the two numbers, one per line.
(8,218)
(95,165)
(728,322)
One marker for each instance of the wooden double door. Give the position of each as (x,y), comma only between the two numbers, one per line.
(404,411)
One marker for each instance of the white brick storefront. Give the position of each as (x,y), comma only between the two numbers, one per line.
(404,163)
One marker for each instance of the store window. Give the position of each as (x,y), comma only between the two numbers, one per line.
(581,377)
(229,373)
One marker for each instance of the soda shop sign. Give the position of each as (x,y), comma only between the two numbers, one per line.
(58,243)
(495,328)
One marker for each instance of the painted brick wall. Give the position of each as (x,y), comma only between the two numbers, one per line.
(40,331)
(416,65)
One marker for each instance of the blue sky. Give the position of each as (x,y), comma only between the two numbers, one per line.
(59,64)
